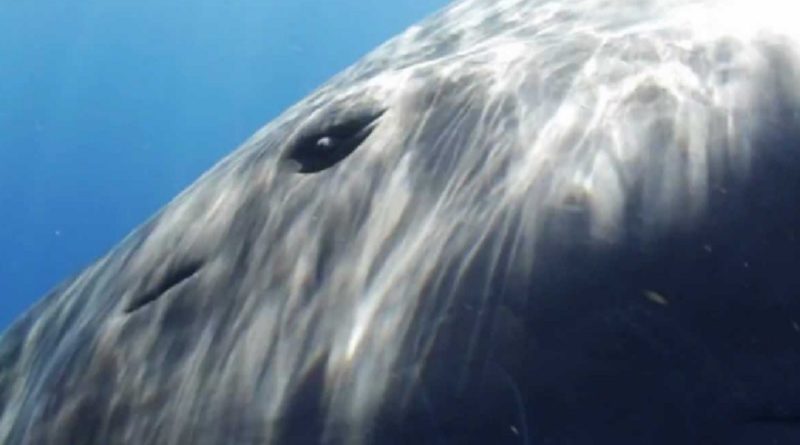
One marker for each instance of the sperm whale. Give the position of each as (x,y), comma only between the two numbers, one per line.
(517,222)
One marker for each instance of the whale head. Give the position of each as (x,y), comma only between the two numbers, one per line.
(517,222)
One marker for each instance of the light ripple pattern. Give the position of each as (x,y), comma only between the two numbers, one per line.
(263,305)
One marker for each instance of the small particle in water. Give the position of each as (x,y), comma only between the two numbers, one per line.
(707,248)
(655,297)
(514,430)
(58,233)
(796,326)
(325,142)
(746,264)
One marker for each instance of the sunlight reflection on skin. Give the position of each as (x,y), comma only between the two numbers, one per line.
(501,116)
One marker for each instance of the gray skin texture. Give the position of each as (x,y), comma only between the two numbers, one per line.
(519,222)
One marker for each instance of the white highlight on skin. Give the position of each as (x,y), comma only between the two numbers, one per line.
(585,106)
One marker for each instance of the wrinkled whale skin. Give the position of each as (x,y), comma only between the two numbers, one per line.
(518,222)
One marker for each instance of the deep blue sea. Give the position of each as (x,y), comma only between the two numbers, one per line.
(109,109)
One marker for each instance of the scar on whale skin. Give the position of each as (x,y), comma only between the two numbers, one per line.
(172,278)
(321,149)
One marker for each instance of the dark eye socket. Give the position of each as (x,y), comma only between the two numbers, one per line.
(325,147)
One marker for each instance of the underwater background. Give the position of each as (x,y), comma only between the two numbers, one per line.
(110,109)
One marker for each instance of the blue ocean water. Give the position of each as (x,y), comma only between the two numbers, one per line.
(109,109)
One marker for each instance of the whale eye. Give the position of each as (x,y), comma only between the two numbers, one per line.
(325,142)
(330,143)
